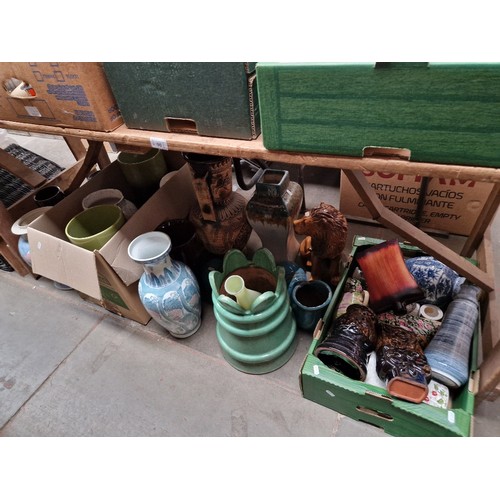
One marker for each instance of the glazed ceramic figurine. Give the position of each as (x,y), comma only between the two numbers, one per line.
(401,362)
(327,228)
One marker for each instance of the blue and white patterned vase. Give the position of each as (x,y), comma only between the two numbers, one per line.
(439,282)
(168,288)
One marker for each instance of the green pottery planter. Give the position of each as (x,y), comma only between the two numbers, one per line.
(263,338)
(93,227)
(143,171)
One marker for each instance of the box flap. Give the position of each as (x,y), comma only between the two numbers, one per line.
(172,201)
(63,262)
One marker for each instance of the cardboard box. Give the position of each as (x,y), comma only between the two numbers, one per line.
(106,276)
(62,94)
(217,99)
(449,205)
(440,112)
(374,405)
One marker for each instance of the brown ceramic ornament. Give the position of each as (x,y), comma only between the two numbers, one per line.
(219,216)
(326,230)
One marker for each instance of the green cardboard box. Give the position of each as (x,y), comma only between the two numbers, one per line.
(374,405)
(440,112)
(217,99)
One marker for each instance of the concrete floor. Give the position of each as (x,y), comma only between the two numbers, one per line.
(70,368)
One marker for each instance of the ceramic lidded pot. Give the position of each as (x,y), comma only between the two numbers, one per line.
(168,288)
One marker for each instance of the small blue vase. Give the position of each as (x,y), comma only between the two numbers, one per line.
(168,289)
(24,249)
(439,282)
(309,299)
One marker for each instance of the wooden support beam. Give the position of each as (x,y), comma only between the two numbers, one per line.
(79,149)
(91,158)
(76,146)
(489,365)
(8,243)
(20,170)
(416,236)
(483,221)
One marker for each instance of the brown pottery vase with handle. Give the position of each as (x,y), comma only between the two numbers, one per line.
(219,216)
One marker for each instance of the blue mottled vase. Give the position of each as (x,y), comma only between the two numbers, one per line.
(168,288)
(439,282)
(24,249)
(20,228)
(449,351)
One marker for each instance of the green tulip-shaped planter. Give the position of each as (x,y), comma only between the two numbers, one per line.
(260,337)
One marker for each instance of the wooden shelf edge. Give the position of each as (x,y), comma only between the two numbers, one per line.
(255,149)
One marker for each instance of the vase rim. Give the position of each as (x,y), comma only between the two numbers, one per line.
(93,198)
(149,247)
(20,226)
(126,158)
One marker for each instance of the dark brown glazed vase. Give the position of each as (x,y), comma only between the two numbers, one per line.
(349,342)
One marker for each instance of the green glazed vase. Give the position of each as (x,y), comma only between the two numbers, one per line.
(263,338)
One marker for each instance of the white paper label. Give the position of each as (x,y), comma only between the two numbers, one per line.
(316,369)
(451,417)
(33,111)
(158,143)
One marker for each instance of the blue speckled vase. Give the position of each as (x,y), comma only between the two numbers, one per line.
(168,288)
(449,351)
(439,282)
(24,249)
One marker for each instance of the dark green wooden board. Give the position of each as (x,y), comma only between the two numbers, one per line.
(441,112)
